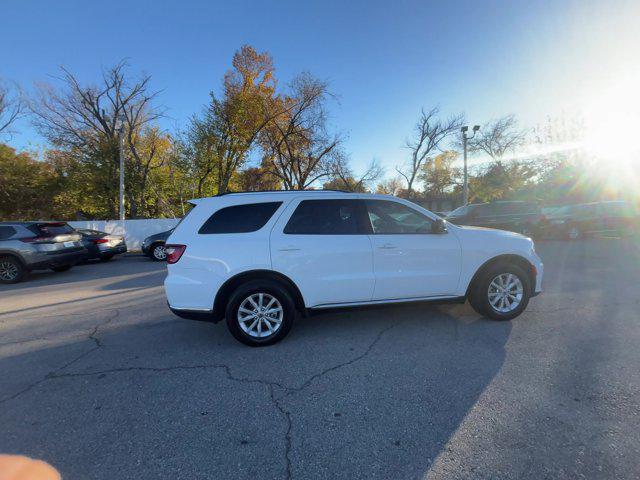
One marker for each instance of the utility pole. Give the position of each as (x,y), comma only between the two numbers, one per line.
(465,138)
(121,154)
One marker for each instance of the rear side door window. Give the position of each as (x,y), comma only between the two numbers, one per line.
(245,218)
(327,217)
(6,232)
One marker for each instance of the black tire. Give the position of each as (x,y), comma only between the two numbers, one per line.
(62,268)
(255,287)
(479,294)
(106,258)
(157,253)
(11,270)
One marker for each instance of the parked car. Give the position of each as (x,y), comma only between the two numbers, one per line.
(576,221)
(521,217)
(256,259)
(102,245)
(26,246)
(153,245)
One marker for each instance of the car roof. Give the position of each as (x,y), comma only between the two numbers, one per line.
(32,222)
(275,194)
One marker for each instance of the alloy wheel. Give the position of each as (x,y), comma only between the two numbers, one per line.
(8,271)
(260,315)
(505,292)
(159,252)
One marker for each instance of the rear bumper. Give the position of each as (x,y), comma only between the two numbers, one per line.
(97,252)
(199,315)
(45,261)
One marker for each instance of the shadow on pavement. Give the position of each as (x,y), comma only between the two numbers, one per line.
(372,393)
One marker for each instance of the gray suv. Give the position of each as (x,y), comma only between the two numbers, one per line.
(26,246)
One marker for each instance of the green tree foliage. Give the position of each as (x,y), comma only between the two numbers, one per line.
(439,175)
(220,139)
(27,186)
(501,181)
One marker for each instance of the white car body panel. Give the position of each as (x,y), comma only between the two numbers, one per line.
(333,270)
(326,268)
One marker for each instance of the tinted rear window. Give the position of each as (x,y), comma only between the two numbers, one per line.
(240,218)
(325,217)
(51,229)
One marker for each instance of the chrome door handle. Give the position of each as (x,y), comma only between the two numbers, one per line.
(387,246)
(289,249)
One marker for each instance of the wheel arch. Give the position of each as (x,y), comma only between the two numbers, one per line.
(519,260)
(227,288)
(12,254)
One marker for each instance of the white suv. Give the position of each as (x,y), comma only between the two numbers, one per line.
(256,259)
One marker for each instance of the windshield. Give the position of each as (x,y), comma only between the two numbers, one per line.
(459,212)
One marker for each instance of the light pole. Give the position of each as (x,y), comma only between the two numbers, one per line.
(465,185)
(121,155)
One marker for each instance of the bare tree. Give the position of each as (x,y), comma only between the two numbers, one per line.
(87,119)
(297,145)
(430,132)
(343,177)
(12,107)
(498,137)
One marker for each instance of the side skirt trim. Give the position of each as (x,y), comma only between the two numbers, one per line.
(439,299)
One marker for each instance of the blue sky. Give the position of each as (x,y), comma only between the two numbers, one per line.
(384,60)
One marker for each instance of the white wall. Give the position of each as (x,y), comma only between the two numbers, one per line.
(134,231)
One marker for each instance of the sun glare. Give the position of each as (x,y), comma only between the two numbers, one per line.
(612,123)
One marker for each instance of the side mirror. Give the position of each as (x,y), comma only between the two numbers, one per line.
(440,226)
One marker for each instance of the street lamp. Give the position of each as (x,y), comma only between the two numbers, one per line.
(465,138)
(121,155)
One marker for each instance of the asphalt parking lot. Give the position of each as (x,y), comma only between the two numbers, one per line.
(101,380)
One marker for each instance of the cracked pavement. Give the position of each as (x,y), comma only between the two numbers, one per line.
(98,378)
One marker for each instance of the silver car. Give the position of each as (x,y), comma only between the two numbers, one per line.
(26,246)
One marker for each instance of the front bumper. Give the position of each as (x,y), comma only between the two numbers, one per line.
(539,266)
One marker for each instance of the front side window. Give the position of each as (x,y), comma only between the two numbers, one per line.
(485,210)
(240,218)
(325,217)
(389,217)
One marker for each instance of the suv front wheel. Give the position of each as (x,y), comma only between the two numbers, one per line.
(260,313)
(502,292)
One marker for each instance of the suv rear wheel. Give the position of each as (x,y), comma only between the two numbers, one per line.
(260,313)
(502,292)
(11,270)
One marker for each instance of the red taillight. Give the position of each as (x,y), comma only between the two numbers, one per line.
(100,240)
(174,252)
(38,239)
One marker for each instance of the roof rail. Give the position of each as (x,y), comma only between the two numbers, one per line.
(283,191)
